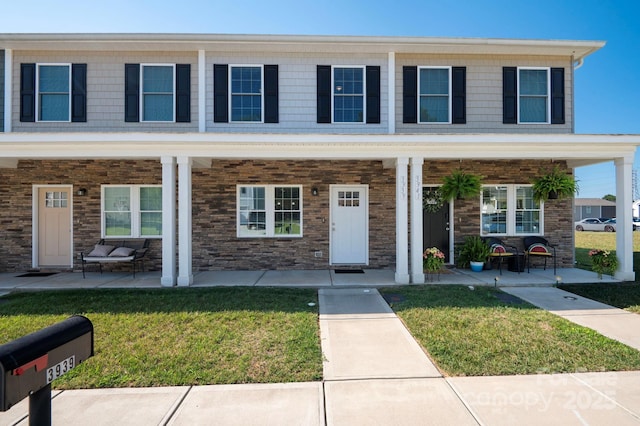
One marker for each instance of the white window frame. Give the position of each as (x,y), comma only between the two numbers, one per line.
(38,92)
(173,93)
(231,67)
(364,94)
(548,118)
(450,97)
(134,194)
(270,211)
(511,212)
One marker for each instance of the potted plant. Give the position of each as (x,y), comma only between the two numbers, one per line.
(432,260)
(603,262)
(474,252)
(460,184)
(555,184)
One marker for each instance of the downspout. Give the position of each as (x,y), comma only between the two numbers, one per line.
(577,64)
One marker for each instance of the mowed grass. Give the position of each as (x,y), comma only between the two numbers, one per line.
(623,295)
(586,241)
(475,333)
(166,337)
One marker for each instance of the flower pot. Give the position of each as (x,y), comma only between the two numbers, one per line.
(476,266)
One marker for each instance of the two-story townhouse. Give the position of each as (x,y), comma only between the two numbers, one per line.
(286,152)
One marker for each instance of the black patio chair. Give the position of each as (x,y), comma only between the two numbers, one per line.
(502,251)
(539,247)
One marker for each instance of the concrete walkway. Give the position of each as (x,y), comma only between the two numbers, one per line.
(375,373)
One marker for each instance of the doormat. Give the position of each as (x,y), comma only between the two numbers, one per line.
(349,271)
(36,274)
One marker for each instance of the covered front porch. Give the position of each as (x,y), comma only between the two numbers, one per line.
(10,282)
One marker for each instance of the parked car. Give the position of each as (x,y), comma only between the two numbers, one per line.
(595,224)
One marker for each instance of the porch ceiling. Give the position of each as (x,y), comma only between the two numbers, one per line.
(577,150)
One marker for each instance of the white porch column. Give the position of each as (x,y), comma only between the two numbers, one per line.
(624,206)
(168,222)
(417,272)
(202,116)
(185,273)
(8,77)
(402,221)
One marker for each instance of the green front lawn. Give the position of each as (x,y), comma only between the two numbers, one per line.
(180,336)
(586,241)
(476,333)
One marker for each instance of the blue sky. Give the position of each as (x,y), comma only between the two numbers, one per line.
(606,91)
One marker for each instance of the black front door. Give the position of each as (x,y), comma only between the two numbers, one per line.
(435,224)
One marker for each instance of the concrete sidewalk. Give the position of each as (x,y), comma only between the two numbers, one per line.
(375,373)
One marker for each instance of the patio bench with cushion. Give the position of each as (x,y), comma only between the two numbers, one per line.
(117,251)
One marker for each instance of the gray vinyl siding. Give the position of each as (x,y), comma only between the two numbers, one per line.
(484,94)
(105,90)
(297,93)
(1,90)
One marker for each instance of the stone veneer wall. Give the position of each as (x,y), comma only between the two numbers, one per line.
(16,186)
(558,214)
(215,245)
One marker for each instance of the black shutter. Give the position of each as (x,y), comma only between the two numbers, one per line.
(459,99)
(557,95)
(131,93)
(509,95)
(410,94)
(271,94)
(373,95)
(28,92)
(79,93)
(183,93)
(220,93)
(324,94)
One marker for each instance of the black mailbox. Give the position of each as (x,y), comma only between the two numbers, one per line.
(32,362)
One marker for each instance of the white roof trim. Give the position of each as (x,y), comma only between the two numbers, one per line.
(578,150)
(300,43)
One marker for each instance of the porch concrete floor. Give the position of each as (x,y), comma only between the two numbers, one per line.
(297,278)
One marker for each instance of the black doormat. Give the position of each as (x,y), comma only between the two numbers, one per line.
(36,274)
(349,271)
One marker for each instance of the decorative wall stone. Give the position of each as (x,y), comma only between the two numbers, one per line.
(215,242)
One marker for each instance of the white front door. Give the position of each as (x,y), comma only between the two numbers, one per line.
(54,226)
(349,224)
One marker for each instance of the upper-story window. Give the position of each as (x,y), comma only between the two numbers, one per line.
(434,95)
(246,93)
(53,92)
(157,94)
(435,99)
(348,95)
(53,100)
(533,95)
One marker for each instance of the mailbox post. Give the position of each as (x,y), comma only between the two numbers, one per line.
(29,364)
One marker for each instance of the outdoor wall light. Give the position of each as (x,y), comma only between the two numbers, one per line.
(81,192)
(314,191)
